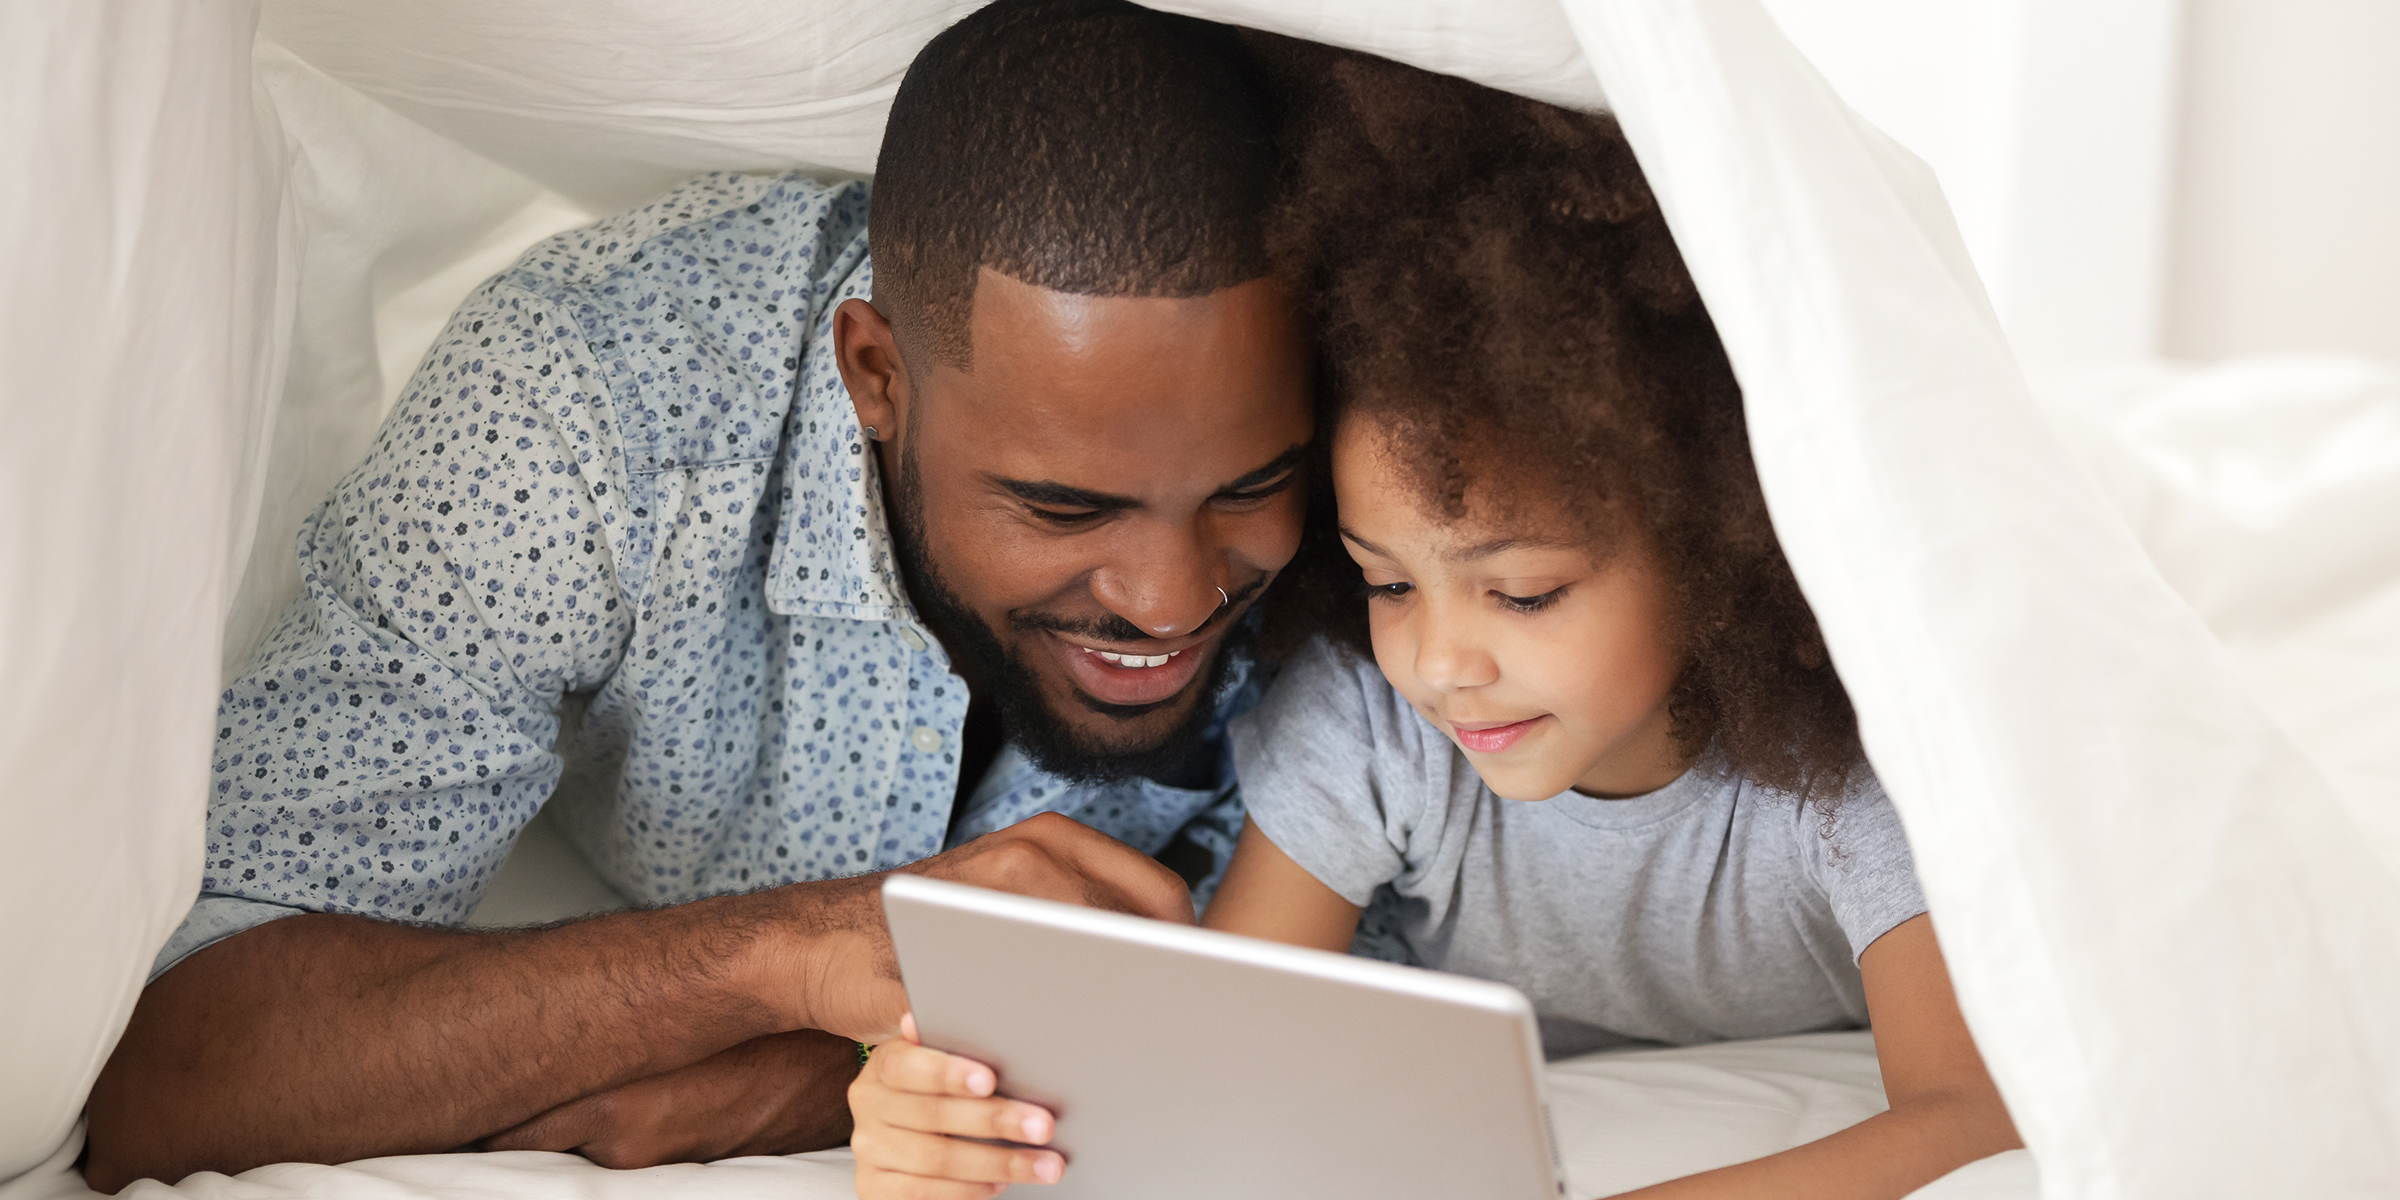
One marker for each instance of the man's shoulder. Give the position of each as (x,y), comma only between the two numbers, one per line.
(697,311)
(723,224)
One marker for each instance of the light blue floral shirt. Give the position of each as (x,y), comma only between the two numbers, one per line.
(626,483)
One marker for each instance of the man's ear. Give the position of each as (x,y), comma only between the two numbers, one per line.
(868,356)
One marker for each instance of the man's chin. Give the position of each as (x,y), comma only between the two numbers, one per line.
(1081,736)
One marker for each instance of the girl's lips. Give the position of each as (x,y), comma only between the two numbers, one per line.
(1492,739)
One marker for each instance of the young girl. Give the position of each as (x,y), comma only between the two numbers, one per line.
(1580,735)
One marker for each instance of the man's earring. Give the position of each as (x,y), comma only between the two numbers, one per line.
(872,436)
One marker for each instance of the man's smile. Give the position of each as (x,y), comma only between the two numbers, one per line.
(1130,676)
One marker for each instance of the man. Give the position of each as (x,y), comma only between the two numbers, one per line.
(788,565)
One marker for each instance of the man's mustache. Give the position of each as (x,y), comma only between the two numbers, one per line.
(1119,631)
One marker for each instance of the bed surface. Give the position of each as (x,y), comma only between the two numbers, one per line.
(1624,1119)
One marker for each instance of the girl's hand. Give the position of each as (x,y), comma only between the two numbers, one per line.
(913,1106)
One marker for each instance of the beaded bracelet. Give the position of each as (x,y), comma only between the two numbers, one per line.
(863,1051)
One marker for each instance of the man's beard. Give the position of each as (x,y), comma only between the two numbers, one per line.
(1041,733)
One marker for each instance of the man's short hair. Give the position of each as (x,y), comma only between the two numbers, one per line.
(1085,146)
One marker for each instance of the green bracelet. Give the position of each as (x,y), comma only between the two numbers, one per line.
(863,1051)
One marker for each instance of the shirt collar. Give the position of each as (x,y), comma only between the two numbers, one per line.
(833,553)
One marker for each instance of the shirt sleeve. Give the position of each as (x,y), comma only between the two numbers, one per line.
(1864,865)
(1215,832)
(1312,777)
(395,730)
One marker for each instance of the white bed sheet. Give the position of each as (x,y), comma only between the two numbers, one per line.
(1624,1119)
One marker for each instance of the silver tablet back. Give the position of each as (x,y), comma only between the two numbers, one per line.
(1184,1063)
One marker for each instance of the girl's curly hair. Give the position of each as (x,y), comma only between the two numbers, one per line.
(1496,289)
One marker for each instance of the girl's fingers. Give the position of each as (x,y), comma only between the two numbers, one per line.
(877,1184)
(1008,1120)
(908,1067)
(886,1148)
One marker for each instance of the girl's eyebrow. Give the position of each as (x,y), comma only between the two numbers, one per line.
(1363,543)
(1469,554)
(1503,545)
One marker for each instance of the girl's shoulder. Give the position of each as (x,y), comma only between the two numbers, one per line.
(1852,849)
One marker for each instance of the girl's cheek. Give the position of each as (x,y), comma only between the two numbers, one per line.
(1392,651)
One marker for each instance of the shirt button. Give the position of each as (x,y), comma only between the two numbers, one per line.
(911,638)
(925,738)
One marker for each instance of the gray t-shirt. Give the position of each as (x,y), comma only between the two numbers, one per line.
(1707,910)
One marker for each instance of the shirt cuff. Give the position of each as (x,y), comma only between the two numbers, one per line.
(213,919)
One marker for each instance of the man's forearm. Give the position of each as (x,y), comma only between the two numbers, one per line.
(328,1038)
(324,1039)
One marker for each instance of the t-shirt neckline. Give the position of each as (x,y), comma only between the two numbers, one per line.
(1633,812)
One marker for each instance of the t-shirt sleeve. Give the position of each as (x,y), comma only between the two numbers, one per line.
(1864,866)
(1307,758)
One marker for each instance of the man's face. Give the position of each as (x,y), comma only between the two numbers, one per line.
(1090,509)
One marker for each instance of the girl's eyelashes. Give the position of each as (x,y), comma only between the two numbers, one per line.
(1529,604)
(1387,591)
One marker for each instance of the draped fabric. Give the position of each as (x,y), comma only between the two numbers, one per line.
(2145,763)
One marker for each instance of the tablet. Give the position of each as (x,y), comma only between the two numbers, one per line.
(1184,1062)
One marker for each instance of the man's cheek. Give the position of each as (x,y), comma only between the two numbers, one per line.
(1278,537)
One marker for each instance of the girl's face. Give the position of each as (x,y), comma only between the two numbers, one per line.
(1551,670)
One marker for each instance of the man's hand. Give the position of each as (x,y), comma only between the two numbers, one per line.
(772,1095)
(1058,858)
(854,988)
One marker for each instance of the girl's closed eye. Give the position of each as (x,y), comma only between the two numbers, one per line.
(1531,604)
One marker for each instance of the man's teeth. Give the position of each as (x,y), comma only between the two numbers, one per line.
(1132,660)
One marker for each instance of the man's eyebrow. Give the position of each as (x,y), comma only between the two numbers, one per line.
(1060,495)
(1063,496)
(1282,464)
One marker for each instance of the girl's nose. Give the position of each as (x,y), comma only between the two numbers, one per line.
(1449,659)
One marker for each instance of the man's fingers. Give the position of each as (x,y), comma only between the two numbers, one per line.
(1058,858)
(936,1157)
(1116,876)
